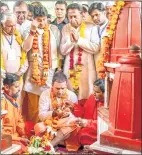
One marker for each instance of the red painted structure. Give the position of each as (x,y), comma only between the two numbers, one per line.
(125,100)
(128,31)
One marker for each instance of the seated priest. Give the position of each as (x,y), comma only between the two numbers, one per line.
(13,123)
(87,118)
(55,111)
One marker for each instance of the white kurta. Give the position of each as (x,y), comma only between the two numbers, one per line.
(45,105)
(54,42)
(12,65)
(90,45)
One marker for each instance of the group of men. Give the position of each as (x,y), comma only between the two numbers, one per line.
(39,52)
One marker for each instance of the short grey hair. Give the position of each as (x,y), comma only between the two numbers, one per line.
(7,14)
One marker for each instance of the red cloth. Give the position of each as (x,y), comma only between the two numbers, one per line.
(78,110)
(88,135)
(29,126)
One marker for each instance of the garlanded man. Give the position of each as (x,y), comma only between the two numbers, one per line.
(80,41)
(42,46)
(57,103)
(12,55)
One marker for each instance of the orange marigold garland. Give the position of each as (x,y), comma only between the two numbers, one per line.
(55,103)
(36,73)
(107,40)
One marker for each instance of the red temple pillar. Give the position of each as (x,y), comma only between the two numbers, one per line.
(125,106)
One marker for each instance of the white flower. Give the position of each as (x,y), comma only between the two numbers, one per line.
(34,150)
(49,129)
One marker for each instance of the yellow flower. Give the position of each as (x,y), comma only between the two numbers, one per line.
(78,68)
(71,72)
(77,75)
(120,3)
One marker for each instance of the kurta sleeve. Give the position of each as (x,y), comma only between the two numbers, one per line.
(66,44)
(91,46)
(44,106)
(24,67)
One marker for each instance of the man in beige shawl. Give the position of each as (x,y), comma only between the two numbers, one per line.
(79,43)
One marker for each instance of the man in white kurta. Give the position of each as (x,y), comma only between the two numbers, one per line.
(11,50)
(33,89)
(56,98)
(89,44)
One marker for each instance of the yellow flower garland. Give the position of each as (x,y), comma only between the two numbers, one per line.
(107,40)
(75,73)
(20,41)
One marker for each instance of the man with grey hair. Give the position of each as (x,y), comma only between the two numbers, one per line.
(20,9)
(108,8)
(10,47)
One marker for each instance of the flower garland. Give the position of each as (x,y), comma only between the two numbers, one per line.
(41,143)
(74,72)
(55,103)
(20,42)
(36,76)
(107,40)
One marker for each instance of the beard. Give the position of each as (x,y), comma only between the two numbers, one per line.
(15,95)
